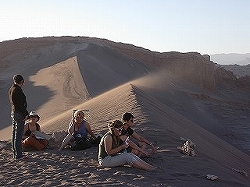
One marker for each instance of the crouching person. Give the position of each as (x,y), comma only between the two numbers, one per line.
(78,131)
(112,150)
(30,140)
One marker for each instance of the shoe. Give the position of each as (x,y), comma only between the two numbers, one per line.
(23,157)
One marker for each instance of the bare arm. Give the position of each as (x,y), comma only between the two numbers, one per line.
(134,146)
(142,139)
(108,146)
(87,126)
(39,128)
(24,131)
(71,128)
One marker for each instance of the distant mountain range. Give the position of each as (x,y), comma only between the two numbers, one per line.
(231,59)
(238,71)
(239,64)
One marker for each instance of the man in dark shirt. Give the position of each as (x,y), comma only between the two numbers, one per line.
(128,121)
(19,114)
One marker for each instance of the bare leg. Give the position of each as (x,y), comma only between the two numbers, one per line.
(66,140)
(143,165)
(143,146)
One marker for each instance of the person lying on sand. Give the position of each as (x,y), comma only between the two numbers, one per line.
(112,150)
(128,121)
(30,140)
(78,132)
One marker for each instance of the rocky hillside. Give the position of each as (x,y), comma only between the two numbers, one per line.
(192,67)
(238,70)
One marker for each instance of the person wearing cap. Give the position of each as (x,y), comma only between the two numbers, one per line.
(30,140)
(19,114)
(128,121)
(112,150)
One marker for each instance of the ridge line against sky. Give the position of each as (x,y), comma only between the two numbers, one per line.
(207,27)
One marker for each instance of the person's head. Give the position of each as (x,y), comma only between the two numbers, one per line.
(18,79)
(128,118)
(79,116)
(33,116)
(115,127)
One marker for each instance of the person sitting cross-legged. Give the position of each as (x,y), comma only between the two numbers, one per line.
(30,140)
(78,131)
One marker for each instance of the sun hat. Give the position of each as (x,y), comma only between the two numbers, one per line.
(33,113)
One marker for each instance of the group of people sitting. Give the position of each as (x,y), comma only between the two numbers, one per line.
(115,147)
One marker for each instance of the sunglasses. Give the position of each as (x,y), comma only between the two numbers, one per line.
(118,129)
(33,116)
(79,116)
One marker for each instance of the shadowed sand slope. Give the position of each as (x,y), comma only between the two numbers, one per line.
(53,90)
(103,108)
(208,145)
(101,64)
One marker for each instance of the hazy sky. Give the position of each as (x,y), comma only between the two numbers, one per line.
(204,26)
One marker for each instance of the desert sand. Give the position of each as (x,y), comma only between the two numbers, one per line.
(71,76)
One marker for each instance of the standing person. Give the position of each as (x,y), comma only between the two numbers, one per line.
(19,114)
(112,151)
(128,121)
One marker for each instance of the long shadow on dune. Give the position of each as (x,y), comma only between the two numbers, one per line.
(100,64)
(36,96)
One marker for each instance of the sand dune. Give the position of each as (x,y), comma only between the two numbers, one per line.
(108,83)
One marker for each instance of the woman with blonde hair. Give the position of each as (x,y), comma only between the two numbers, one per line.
(112,150)
(78,131)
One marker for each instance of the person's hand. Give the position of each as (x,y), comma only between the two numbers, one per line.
(144,152)
(124,146)
(153,148)
(127,141)
(32,134)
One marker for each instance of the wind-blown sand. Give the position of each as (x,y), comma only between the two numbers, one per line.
(109,84)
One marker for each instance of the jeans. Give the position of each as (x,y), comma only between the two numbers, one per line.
(118,160)
(17,133)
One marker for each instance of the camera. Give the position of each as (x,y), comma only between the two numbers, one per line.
(79,139)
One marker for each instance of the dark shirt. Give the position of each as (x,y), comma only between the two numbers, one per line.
(102,153)
(28,132)
(127,132)
(18,100)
